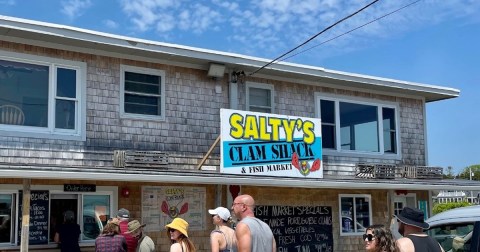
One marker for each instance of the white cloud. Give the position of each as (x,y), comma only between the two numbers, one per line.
(75,8)
(110,24)
(271,27)
(7,2)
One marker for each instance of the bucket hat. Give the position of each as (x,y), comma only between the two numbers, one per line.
(413,217)
(180,225)
(220,211)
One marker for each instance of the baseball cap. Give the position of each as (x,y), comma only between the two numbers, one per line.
(220,211)
(123,213)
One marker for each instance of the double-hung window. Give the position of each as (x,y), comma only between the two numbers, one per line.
(142,93)
(42,97)
(357,126)
(259,97)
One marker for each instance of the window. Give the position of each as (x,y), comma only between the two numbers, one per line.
(40,95)
(6,216)
(96,209)
(142,93)
(259,97)
(92,211)
(355,213)
(358,126)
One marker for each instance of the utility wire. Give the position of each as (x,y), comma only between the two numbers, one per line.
(345,33)
(316,35)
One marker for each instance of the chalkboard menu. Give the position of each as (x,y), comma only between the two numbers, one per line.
(38,217)
(299,228)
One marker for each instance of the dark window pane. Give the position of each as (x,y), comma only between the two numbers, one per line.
(362,211)
(389,131)
(66,83)
(328,136)
(260,97)
(142,104)
(6,223)
(327,111)
(358,127)
(142,83)
(25,87)
(64,114)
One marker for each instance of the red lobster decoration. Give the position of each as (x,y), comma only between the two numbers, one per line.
(303,166)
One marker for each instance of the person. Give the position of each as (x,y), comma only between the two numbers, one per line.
(222,239)
(177,232)
(378,238)
(124,215)
(145,243)
(67,233)
(253,235)
(411,225)
(110,239)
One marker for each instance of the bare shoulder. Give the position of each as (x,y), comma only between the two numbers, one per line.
(176,247)
(405,245)
(216,235)
(242,228)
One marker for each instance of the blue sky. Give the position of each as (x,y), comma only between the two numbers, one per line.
(432,42)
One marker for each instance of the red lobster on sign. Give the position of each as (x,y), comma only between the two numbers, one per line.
(303,166)
(173,211)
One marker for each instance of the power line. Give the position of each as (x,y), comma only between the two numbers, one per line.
(316,35)
(345,33)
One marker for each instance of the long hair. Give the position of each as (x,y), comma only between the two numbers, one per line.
(111,229)
(385,241)
(183,239)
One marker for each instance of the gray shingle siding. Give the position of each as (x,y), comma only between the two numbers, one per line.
(192,118)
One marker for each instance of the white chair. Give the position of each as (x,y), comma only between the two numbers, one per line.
(11,114)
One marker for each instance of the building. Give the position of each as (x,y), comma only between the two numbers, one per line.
(457,196)
(94,122)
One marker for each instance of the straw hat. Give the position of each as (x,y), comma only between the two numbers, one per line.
(134,225)
(180,225)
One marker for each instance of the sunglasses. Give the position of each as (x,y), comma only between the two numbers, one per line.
(171,230)
(368,237)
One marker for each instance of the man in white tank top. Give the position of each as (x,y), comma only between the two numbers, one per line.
(253,235)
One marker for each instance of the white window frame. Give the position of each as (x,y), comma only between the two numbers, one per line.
(338,151)
(78,133)
(141,70)
(111,191)
(367,197)
(260,86)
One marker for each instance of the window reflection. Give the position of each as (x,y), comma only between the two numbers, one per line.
(96,212)
(359,127)
(25,86)
(5,218)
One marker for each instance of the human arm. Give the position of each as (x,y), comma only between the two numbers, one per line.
(244,241)
(274,245)
(405,245)
(56,238)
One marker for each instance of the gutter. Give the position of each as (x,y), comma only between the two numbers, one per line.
(214,178)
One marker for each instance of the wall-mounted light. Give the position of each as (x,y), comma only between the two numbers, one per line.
(216,70)
(125,192)
(237,76)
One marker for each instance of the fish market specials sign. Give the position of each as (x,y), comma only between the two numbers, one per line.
(268,144)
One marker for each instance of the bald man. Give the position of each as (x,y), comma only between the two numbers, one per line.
(253,235)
